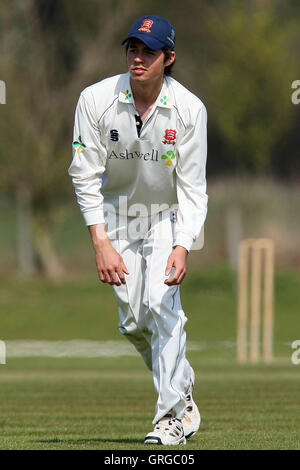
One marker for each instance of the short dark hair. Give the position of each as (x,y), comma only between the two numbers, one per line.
(167,53)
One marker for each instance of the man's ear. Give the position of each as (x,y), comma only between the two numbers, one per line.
(171,58)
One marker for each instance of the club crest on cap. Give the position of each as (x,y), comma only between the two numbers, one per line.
(146,26)
(162,32)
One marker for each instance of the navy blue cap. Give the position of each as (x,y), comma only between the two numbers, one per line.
(156,32)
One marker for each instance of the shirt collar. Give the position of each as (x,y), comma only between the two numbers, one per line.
(125,94)
(163,100)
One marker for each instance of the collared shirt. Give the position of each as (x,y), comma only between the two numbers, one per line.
(158,163)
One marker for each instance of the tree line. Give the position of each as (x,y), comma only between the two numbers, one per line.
(240,58)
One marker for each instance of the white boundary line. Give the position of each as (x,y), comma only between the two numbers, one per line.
(89,348)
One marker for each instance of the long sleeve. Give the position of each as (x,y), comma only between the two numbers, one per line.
(191,182)
(88,163)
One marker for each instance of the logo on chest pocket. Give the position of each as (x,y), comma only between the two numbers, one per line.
(114,135)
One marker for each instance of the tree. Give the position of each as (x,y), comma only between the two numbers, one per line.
(49,52)
(244,62)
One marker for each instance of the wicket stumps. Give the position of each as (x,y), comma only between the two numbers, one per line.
(252,253)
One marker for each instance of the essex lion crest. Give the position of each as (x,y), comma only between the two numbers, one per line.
(170,137)
(146,26)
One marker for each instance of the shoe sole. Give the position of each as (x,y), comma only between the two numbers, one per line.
(187,436)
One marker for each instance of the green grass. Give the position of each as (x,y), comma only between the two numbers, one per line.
(85,308)
(109,404)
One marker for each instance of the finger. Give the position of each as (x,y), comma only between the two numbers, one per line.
(113,279)
(181,277)
(102,276)
(169,266)
(121,275)
(173,280)
(124,269)
(168,269)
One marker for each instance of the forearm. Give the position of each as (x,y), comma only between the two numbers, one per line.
(99,237)
(191,216)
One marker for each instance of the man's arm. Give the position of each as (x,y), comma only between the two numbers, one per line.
(88,164)
(191,194)
(89,161)
(191,181)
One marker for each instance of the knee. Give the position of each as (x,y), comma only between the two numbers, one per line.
(133,330)
(163,298)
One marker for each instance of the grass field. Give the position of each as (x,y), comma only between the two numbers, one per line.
(108,402)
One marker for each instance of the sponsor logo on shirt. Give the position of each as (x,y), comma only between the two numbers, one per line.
(126,155)
(169,158)
(170,137)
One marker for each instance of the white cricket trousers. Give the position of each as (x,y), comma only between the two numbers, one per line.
(150,312)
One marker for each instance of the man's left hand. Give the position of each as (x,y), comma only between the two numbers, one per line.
(177,260)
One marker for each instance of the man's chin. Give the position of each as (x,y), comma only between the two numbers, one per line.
(138,77)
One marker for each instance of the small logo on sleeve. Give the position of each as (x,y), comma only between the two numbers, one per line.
(79,145)
(170,137)
(114,135)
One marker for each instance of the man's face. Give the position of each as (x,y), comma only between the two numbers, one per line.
(144,64)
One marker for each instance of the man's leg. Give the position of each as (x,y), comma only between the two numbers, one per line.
(129,297)
(165,318)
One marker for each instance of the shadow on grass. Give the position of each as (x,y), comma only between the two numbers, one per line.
(84,441)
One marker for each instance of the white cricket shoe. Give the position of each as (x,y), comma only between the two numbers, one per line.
(168,431)
(191,419)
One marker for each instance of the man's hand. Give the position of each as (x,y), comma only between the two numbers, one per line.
(177,260)
(110,264)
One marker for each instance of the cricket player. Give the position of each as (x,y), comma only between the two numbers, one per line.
(139,158)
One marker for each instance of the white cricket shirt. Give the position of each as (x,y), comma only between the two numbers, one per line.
(165,164)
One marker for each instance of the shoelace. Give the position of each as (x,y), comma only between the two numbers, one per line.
(175,427)
(173,423)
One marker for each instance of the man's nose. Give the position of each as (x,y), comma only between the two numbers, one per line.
(138,58)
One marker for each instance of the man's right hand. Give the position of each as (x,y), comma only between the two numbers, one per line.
(110,265)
